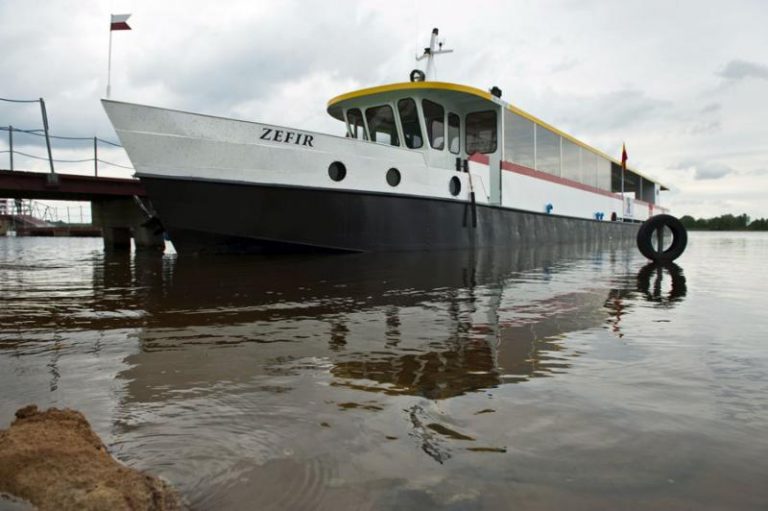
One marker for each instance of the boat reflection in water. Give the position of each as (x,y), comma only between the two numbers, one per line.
(432,325)
(276,380)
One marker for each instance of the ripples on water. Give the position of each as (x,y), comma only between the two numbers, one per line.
(570,379)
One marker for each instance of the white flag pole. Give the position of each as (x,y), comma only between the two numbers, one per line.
(116,22)
(109,60)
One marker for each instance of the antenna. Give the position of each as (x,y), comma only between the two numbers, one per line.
(429,54)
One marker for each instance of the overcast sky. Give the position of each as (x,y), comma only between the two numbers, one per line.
(683,83)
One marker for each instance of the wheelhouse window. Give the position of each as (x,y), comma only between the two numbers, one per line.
(355,124)
(481,132)
(409,119)
(381,124)
(454,133)
(434,118)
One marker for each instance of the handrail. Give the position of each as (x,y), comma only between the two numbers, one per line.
(48,136)
(60,137)
(16,208)
(20,100)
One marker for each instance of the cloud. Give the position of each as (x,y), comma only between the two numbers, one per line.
(703,171)
(280,62)
(742,69)
(565,65)
(712,171)
(610,111)
(705,128)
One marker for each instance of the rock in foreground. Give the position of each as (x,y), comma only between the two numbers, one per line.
(54,460)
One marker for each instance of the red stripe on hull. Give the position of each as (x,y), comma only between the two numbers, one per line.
(480,158)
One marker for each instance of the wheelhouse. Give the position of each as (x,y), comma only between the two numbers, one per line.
(446,121)
(442,120)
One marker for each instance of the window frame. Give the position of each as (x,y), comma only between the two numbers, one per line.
(430,135)
(418,122)
(495,131)
(362,124)
(448,132)
(394,136)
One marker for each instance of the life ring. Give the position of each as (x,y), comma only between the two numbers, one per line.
(648,231)
(417,75)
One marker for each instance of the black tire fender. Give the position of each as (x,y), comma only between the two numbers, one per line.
(648,230)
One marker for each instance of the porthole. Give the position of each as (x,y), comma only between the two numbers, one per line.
(393,177)
(337,171)
(454,186)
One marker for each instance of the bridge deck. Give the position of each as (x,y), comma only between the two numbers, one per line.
(18,184)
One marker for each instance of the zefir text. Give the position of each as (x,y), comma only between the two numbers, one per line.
(287,137)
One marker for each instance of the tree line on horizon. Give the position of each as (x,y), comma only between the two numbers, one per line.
(725,223)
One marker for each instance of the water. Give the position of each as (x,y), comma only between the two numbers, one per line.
(568,379)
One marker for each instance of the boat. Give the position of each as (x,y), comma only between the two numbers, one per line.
(418,165)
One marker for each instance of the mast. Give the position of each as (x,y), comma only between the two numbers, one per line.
(429,54)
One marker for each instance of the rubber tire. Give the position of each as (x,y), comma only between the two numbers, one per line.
(648,230)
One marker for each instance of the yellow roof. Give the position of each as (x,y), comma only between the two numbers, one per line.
(335,109)
(405,86)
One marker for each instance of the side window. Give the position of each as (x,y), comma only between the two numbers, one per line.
(481,132)
(454,133)
(434,118)
(381,123)
(355,124)
(409,118)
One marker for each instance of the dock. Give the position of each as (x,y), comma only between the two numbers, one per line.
(119,208)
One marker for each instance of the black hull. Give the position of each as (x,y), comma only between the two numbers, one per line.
(214,217)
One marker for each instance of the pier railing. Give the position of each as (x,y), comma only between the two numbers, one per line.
(42,213)
(45,136)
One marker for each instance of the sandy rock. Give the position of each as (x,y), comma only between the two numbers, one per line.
(54,460)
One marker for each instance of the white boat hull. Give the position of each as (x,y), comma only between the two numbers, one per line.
(222,185)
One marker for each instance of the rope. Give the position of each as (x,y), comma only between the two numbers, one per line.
(3,128)
(46,159)
(69,161)
(108,142)
(38,134)
(20,100)
(115,164)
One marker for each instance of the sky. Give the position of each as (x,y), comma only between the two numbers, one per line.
(682,83)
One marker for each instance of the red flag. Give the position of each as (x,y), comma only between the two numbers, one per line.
(624,157)
(119,22)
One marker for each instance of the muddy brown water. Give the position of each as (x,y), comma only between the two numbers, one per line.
(571,378)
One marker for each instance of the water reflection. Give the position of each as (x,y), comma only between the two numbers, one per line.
(435,326)
(430,325)
(300,378)
(651,283)
(467,381)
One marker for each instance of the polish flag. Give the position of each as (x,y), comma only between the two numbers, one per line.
(119,22)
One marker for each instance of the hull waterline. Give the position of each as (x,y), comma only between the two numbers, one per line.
(215,217)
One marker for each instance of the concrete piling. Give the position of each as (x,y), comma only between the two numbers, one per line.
(120,220)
